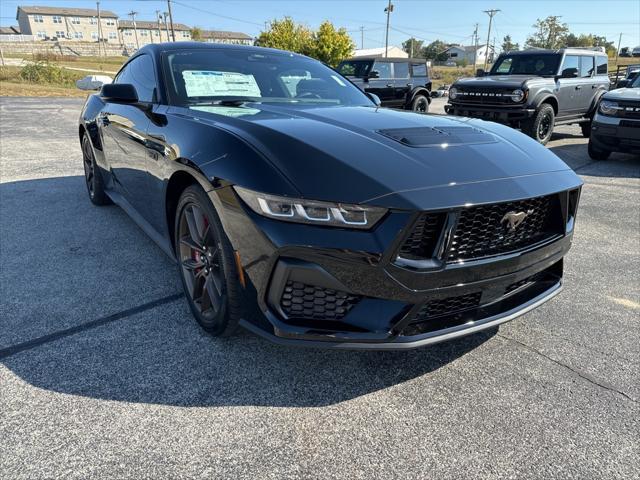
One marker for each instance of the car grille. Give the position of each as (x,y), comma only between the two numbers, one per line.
(485,96)
(308,301)
(484,231)
(631,110)
(424,236)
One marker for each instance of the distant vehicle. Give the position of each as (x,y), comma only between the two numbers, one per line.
(93,82)
(624,52)
(535,90)
(397,82)
(636,52)
(442,91)
(616,124)
(451,63)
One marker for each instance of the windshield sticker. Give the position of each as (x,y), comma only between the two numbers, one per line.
(202,83)
(228,111)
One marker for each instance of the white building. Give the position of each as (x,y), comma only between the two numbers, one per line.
(460,53)
(221,36)
(392,52)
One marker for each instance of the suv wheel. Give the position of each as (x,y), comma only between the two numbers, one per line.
(92,176)
(596,154)
(420,104)
(586,129)
(540,127)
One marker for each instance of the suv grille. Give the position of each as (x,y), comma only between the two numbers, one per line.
(488,96)
(631,110)
(308,301)
(483,231)
(422,240)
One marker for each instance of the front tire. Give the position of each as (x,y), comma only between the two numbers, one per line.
(206,264)
(596,154)
(540,127)
(92,177)
(585,128)
(420,104)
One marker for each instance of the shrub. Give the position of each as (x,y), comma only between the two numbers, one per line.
(47,73)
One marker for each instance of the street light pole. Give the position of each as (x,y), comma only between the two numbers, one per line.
(99,31)
(618,49)
(491,13)
(133,14)
(173,32)
(388,10)
(159,27)
(166,24)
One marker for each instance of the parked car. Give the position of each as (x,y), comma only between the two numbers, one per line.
(398,82)
(636,52)
(616,125)
(442,91)
(310,216)
(535,90)
(624,52)
(93,82)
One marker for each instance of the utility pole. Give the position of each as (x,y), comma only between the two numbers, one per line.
(388,11)
(362,37)
(100,32)
(173,32)
(491,13)
(618,49)
(159,27)
(411,47)
(475,44)
(166,24)
(133,14)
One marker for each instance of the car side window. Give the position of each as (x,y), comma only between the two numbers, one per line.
(603,65)
(571,66)
(505,66)
(419,69)
(400,70)
(139,72)
(586,67)
(383,69)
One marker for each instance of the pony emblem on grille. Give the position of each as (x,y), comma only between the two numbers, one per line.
(513,219)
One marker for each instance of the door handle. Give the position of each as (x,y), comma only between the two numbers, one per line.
(409,85)
(594,86)
(389,85)
(578,87)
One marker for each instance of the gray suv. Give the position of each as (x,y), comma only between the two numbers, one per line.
(535,90)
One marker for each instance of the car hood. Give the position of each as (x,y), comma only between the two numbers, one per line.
(499,81)
(623,94)
(364,154)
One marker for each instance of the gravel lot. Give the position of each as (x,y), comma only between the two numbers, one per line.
(104,373)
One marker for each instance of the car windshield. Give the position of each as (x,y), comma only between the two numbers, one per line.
(355,68)
(235,76)
(534,64)
(636,82)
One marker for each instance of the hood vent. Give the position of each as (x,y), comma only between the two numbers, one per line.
(438,136)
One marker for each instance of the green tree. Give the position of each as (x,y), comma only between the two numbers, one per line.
(413,47)
(196,34)
(508,45)
(550,33)
(436,50)
(331,46)
(588,40)
(285,34)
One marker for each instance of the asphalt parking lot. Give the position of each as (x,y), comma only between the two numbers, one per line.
(104,373)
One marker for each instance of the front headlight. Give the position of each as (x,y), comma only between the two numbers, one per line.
(453,93)
(310,211)
(608,107)
(517,95)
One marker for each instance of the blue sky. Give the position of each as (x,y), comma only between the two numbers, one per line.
(449,20)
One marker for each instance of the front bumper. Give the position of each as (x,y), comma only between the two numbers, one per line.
(615,134)
(319,264)
(496,113)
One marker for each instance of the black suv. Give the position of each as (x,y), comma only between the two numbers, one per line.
(397,82)
(535,90)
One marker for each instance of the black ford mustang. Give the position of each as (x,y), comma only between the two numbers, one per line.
(295,207)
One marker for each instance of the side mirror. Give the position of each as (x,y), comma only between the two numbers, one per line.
(374,98)
(119,93)
(569,73)
(480,72)
(373,74)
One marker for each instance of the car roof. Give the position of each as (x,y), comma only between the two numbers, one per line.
(545,51)
(157,48)
(387,59)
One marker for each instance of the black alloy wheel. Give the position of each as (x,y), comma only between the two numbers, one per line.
(206,264)
(540,127)
(92,176)
(420,104)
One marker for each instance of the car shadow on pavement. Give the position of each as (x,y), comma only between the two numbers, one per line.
(619,165)
(157,354)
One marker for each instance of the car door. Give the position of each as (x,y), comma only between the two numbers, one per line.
(569,86)
(124,133)
(588,83)
(382,85)
(402,83)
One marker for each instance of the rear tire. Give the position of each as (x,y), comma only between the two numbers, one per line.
(540,127)
(92,177)
(596,154)
(206,264)
(420,104)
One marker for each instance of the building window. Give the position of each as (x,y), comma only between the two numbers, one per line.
(111,22)
(130,45)
(143,33)
(57,19)
(128,33)
(41,34)
(75,20)
(186,34)
(94,35)
(60,34)
(113,35)
(38,19)
(93,21)
(77,35)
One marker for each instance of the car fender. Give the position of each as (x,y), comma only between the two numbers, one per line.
(545,95)
(417,91)
(596,100)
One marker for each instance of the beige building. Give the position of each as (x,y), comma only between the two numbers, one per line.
(220,36)
(149,32)
(80,24)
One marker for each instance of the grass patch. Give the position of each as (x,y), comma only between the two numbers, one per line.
(13,89)
(39,79)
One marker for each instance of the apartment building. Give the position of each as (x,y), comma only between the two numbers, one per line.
(136,34)
(220,36)
(80,24)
